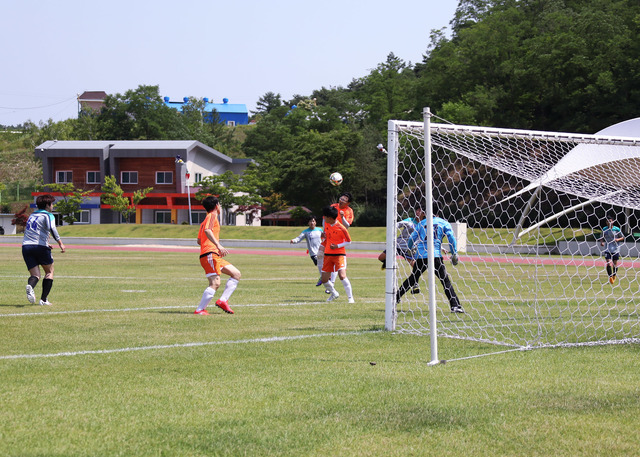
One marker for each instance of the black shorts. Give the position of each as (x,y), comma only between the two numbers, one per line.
(34,255)
(609,256)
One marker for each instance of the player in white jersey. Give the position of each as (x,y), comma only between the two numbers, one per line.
(313,235)
(36,249)
(611,236)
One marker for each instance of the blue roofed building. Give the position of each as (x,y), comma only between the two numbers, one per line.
(228,113)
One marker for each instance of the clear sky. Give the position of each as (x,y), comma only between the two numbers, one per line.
(52,51)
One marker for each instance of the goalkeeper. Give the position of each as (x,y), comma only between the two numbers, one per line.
(611,237)
(418,241)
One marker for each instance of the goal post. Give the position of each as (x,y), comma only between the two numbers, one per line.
(532,207)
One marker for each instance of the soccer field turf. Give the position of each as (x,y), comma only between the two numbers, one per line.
(121,366)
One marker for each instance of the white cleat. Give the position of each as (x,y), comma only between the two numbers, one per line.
(31,296)
(333,296)
(45,303)
(351,300)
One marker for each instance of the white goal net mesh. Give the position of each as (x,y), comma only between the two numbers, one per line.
(528,210)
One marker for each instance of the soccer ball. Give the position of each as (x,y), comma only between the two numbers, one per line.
(335,179)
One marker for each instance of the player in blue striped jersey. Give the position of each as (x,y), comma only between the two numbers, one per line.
(36,249)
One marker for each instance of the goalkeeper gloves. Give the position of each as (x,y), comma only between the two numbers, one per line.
(454,259)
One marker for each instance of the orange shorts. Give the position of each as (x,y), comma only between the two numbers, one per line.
(333,263)
(213,264)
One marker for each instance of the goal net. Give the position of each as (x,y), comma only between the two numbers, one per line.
(528,210)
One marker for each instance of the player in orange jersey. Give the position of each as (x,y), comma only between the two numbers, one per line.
(345,213)
(336,239)
(345,216)
(211,259)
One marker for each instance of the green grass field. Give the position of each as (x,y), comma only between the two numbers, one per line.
(120,366)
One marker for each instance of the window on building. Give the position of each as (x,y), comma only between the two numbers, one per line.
(64,177)
(163,217)
(93,177)
(129,177)
(58,218)
(231,123)
(197,177)
(230,218)
(83,217)
(130,219)
(249,218)
(197,217)
(164,177)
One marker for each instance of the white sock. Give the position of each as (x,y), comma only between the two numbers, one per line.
(229,288)
(320,268)
(334,275)
(329,287)
(207,296)
(347,287)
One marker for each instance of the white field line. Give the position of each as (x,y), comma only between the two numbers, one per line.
(153,308)
(183,345)
(190,278)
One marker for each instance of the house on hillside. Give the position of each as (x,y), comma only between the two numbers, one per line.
(171,168)
(230,114)
(91,101)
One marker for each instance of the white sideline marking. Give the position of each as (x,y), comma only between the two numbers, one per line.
(152,308)
(190,278)
(183,345)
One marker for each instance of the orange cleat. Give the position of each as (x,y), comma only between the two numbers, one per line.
(201,312)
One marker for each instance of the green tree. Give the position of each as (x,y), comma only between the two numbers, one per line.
(206,127)
(72,199)
(297,149)
(232,190)
(275,202)
(387,92)
(114,196)
(139,114)
(563,65)
(267,102)
(86,126)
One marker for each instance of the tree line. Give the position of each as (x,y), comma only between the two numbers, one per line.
(558,65)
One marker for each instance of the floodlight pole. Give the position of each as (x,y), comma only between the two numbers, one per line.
(431,281)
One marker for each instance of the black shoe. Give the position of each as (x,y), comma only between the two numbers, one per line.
(415,290)
(457,309)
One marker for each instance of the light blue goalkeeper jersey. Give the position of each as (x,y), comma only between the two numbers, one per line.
(441,228)
(609,235)
(40,225)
